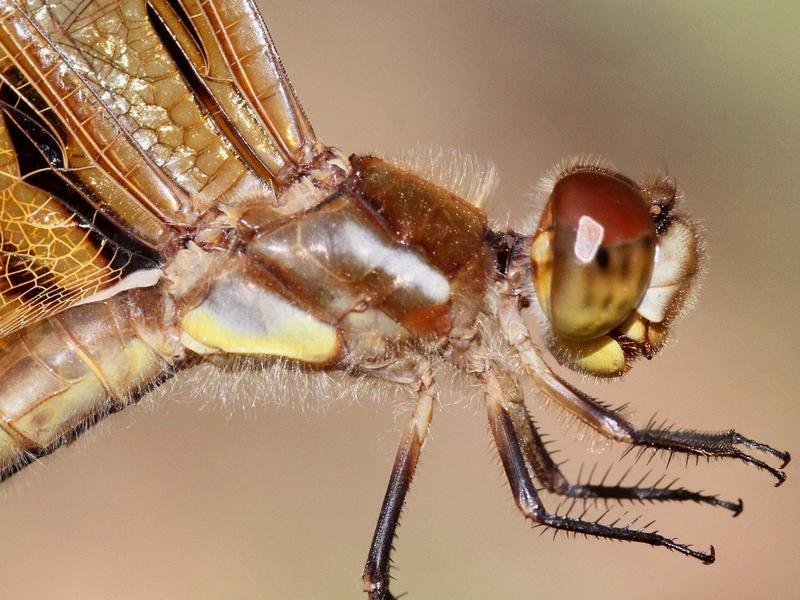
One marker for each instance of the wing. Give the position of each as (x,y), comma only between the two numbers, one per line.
(122,123)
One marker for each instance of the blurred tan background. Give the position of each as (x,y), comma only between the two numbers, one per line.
(187,497)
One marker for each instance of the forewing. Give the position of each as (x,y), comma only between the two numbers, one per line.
(232,66)
(153,114)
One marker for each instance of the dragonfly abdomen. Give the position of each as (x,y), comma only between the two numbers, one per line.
(70,370)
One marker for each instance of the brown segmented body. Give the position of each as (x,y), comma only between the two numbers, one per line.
(165,200)
(351,264)
(72,368)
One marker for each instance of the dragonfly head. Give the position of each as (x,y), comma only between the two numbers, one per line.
(609,266)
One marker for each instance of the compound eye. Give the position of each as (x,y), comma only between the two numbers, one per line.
(593,253)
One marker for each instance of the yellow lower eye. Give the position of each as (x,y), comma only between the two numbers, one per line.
(603,356)
(601,248)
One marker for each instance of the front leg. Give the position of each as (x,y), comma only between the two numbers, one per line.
(609,423)
(550,476)
(508,433)
(376,571)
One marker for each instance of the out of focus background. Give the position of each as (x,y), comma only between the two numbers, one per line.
(197,495)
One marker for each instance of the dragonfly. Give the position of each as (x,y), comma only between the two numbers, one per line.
(165,201)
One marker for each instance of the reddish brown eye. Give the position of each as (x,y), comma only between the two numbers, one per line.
(599,240)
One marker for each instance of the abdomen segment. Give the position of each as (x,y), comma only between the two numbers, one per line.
(70,370)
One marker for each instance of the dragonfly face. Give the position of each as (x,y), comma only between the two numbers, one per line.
(175,123)
(613,264)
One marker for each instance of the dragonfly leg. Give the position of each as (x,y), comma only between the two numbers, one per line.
(549,475)
(509,439)
(609,423)
(376,570)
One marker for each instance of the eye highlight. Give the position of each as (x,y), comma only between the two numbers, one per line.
(593,253)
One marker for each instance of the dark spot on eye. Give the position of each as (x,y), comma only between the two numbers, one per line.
(602,258)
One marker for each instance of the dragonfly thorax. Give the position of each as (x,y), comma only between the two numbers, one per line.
(387,260)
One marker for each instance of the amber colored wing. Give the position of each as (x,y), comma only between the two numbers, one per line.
(51,255)
(123,122)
